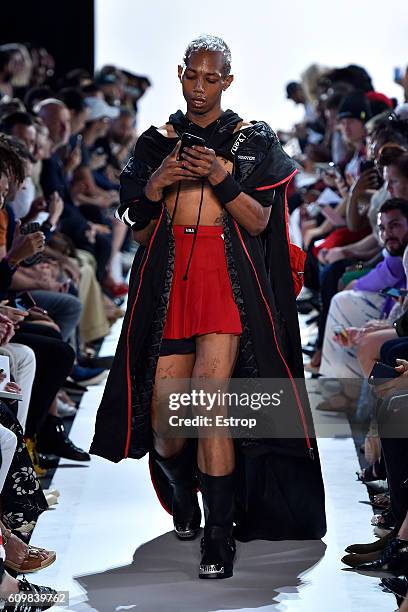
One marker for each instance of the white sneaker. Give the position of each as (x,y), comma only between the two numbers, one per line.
(54,492)
(51,500)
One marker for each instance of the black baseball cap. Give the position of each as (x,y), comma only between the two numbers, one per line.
(354,105)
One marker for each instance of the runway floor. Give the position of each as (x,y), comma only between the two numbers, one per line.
(116,550)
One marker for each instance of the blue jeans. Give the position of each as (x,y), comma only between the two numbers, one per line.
(63,308)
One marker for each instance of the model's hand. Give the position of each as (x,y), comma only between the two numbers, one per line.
(203,163)
(169,172)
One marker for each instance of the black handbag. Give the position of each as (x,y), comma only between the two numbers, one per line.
(401,325)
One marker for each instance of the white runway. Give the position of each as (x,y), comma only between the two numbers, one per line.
(116,550)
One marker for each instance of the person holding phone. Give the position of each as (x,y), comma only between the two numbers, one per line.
(205,197)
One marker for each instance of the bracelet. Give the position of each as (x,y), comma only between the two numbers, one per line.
(151,203)
(227,190)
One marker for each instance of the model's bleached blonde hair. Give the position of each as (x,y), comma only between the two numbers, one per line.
(208,42)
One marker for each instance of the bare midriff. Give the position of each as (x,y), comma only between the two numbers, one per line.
(189,201)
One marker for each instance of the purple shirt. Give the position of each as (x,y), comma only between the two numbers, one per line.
(388,273)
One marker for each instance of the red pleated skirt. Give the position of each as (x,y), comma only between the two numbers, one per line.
(203,303)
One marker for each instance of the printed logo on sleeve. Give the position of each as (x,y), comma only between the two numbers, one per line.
(246,157)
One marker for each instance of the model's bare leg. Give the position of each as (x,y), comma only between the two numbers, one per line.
(176,456)
(170,369)
(216,356)
(215,360)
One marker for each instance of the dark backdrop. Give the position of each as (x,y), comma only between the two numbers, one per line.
(64,27)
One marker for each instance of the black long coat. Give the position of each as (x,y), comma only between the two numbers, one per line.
(280,491)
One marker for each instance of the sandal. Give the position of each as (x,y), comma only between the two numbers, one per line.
(381,501)
(384,520)
(33,560)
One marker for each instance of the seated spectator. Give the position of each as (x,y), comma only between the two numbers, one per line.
(85,235)
(21,126)
(118,143)
(21,506)
(365,198)
(361,302)
(6,71)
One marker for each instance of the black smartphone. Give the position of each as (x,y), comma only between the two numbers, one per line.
(380,373)
(369,164)
(188,140)
(394,292)
(30,228)
(24,301)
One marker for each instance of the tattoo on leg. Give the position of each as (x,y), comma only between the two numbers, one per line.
(167,372)
(210,368)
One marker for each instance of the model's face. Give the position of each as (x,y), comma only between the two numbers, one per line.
(203,81)
(397,184)
(393,226)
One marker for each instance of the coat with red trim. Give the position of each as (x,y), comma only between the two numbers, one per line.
(280,493)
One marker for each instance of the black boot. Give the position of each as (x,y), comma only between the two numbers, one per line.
(217,545)
(181,473)
(54,439)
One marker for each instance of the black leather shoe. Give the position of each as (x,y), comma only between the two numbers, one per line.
(186,516)
(378,545)
(218,544)
(54,439)
(181,473)
(218,553)
(393,559)
(48,462)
